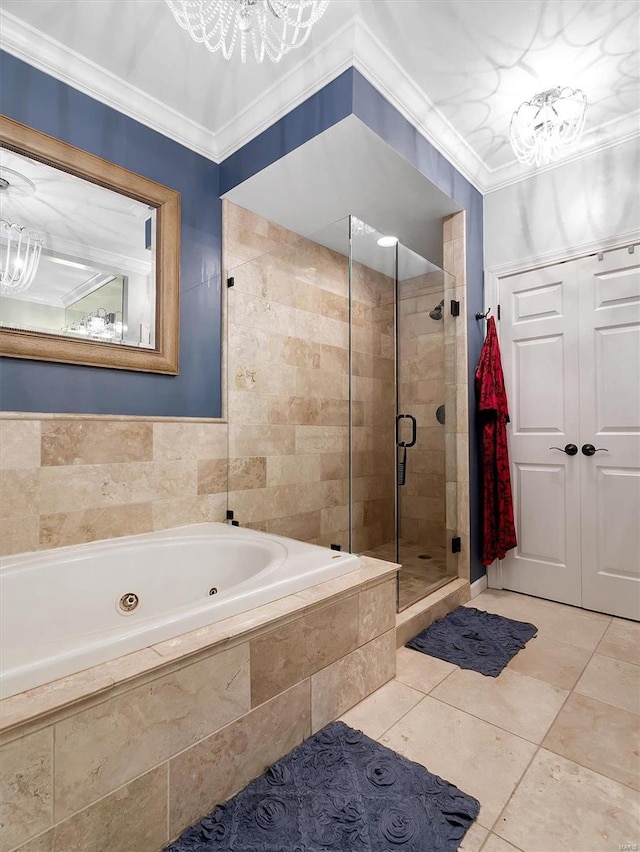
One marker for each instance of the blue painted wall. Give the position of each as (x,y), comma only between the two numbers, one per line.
(52,107)
(315,115)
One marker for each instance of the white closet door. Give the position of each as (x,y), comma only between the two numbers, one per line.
(539,344)
(609,313)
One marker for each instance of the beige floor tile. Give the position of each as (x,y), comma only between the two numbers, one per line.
(520,704)
(473,839)
(499,602)
(557,621)
(480,759)
(598,736)
(612,681)
(621,641)
(565,623)
(497,844)
(382,709)
(554,662)
(561,806)
(420,670)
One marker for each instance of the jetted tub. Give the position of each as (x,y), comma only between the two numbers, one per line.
(68,609)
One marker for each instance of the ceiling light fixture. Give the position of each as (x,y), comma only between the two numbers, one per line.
(387,242)
(548,126)
(19,257)
(273,27)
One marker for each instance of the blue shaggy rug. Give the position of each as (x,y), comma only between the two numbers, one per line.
(474,639)
(338,791)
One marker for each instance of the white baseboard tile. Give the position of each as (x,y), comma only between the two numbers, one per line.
(478,587)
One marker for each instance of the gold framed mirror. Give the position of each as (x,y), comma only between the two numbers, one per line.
(90,264)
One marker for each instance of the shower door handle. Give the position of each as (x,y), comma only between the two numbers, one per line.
(414,430)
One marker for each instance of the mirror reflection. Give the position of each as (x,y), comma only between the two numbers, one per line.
(76,259)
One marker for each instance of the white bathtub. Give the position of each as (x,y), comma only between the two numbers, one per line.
(60,609)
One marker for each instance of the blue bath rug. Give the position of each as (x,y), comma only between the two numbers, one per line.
(338,791)
(474,639)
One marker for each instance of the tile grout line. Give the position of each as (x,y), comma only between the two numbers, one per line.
(539,746)
(494,724)
(424,695)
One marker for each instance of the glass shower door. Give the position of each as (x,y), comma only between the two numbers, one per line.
(420,444)
(397,353)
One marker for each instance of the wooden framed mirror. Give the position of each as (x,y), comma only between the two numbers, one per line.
(105,244)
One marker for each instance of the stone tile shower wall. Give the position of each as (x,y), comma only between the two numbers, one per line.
(288,387)
(69,480)
(422,391)
(457,405)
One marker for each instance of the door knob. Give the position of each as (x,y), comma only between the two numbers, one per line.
(590,450)
(570,449)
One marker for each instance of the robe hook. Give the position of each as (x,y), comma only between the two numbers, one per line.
(480,315)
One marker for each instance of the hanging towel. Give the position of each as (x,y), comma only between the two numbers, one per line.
(499,534)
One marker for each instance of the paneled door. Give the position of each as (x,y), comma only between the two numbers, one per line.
(539,345)
(570,338)
(609,323)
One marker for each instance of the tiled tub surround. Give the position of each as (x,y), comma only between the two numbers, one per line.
(125,755)
(68,601)
(69,480)
(288,380)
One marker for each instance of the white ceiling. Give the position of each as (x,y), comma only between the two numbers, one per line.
(456,68)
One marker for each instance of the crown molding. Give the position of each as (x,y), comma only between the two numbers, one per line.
(46,54)
(303,80)
(355,45)
(383,71)
(352,45)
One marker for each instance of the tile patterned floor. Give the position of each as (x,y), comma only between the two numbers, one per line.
(551,748)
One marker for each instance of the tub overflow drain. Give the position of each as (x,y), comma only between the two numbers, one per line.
(128,602)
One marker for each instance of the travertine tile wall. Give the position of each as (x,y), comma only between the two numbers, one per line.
(71,480)
(457,405)
(373,389)
(288,387)
(422,390)
(130,768)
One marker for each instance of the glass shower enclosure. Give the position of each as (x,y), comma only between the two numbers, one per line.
(337,382)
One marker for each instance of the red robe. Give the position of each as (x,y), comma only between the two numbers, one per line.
(499,534)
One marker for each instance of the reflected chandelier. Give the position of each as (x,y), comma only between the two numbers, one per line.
(273,27)
(548,126)
(19,257)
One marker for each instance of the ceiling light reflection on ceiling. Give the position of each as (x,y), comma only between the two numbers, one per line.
(387,242)
(360,228)
(273,27)
(548,126)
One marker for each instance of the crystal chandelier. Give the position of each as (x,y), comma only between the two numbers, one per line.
(548,126)
(19,257)
(273,27)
